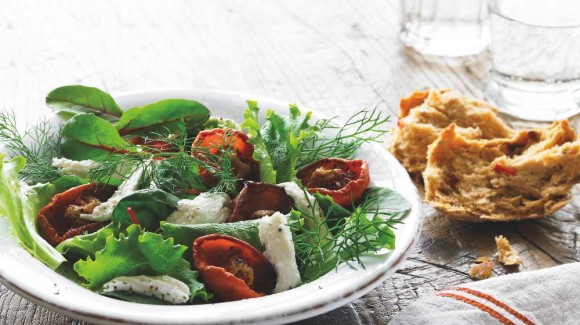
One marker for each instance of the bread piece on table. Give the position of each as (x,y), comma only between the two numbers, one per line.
(527,176)
(424,114)
(506,254)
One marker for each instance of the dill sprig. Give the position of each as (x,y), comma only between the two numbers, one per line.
(321,247)
(175,171)
(363,126)
(38,144)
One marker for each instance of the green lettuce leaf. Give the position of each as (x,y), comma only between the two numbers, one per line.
(81,99)
(139,253)
(185,234)
(85,136)
(150,206)
(83,246)
(20,204)
(261,155)
(163,116)
(282,138)
(46,191)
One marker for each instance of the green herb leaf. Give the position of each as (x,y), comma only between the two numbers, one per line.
(366,230)
(150,206)
(362,127)
(139,253)
(82,99)
(20,204)
(261,155)
(38,144)
(85,136)
(282,138)
(177,175)
(163,116)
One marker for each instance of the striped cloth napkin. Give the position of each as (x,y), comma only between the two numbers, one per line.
(548,296)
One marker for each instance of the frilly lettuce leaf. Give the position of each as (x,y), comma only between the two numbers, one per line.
(83,246)
(261,154)
(282,137)
(139,253)
(277,142)
(20,204)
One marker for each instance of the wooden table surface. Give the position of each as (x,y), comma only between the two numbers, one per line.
(333,56)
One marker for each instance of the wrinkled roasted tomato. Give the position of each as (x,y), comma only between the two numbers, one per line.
(216,140)
(257,200)
(60,219)
(232,269)
(343,180)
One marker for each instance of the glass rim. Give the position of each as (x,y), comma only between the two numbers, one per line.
(492,8)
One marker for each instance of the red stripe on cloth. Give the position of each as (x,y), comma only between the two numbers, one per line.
(496,302)
(474,303)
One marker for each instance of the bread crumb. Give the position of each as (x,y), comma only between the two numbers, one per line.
(507,255)
(481,269)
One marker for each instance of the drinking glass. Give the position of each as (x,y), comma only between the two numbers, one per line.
(450,28)
(535,48)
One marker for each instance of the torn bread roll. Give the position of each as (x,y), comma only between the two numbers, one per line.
(425,114)
(527,176)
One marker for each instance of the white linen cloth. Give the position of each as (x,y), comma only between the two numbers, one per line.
(548,296)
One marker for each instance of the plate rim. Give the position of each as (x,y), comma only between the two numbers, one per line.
(399,255)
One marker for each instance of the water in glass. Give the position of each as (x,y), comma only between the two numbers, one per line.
(449,28)
(535,47)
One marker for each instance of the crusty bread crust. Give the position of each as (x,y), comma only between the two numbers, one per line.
(423,116)
(527,176)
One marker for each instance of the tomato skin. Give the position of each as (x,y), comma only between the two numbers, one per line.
(258,196)
(213,255)
(51,220)
(214,140)
(351,191)
(501,169)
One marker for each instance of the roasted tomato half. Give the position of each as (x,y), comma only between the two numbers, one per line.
(60,219)
(343,180)
(215,141)
(257,200)
(232,269)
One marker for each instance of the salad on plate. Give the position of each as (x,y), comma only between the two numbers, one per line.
(169,203)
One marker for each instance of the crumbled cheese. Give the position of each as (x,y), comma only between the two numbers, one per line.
(104,211)
(163,287)
(205,208)
(76,168)
(276,237)
(507,255)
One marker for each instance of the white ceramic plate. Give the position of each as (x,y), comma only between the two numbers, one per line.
(31,279)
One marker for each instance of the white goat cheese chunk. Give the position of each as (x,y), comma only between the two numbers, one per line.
(104,211)
(162,287)
(301,198)
(276,238)
(205,208)
(80,168)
